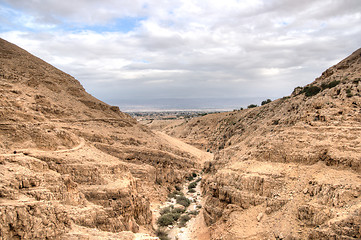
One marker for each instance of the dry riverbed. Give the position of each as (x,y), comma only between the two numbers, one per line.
(178,218)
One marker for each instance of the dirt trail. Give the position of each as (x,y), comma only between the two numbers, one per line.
(29,151)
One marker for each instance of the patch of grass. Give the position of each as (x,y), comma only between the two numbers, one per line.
(182,200)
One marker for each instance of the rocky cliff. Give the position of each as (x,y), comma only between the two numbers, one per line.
(71,166)
(290,169)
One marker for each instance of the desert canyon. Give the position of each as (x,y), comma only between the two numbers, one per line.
(73,167)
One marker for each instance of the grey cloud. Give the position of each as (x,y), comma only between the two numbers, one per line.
(189,49)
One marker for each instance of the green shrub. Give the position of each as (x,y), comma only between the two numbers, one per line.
(190,178)
(333,84)
(183,220)
(252,106)
(165,210)
(192,185)
(174,194)
(311,91)
(165,220)
(194,174)
(266,101)
(348,93)
(178,210)
(182,200)
(191,190)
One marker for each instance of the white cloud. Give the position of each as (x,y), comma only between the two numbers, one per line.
(198,48)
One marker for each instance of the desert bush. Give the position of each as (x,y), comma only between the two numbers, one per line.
(174,194)
(165,220)
(348,93)
(178,210)
(182,200)
(183,220)
(178,188)
(330,85)
(266,101)
(161,234)
(165,210)
(190,177)
(168,219)
(191,190)
(192,185)
(194,174)
(311,91)
(252,106)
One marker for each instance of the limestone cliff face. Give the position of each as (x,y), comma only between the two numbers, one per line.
(70,163)
(289,169)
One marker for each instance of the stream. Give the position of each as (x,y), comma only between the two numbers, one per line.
(176,218)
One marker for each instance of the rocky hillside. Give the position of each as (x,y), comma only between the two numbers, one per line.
(71,166)
(290,169)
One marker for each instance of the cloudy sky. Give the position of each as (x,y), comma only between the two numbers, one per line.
(141,50)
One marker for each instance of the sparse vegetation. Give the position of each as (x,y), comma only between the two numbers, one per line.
(265,102)
(311,91)
(165,210)
(182,200)
(161,234)
(192,185)
(178,188)
(356,81)
(183,220)
(191,190)
(174,194)
(252,106)
(348,93)
(165,220)
(330,85)
(190,177)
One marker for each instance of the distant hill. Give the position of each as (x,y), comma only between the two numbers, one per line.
(290,169)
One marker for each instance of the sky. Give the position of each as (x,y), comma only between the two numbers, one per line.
(137,51)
